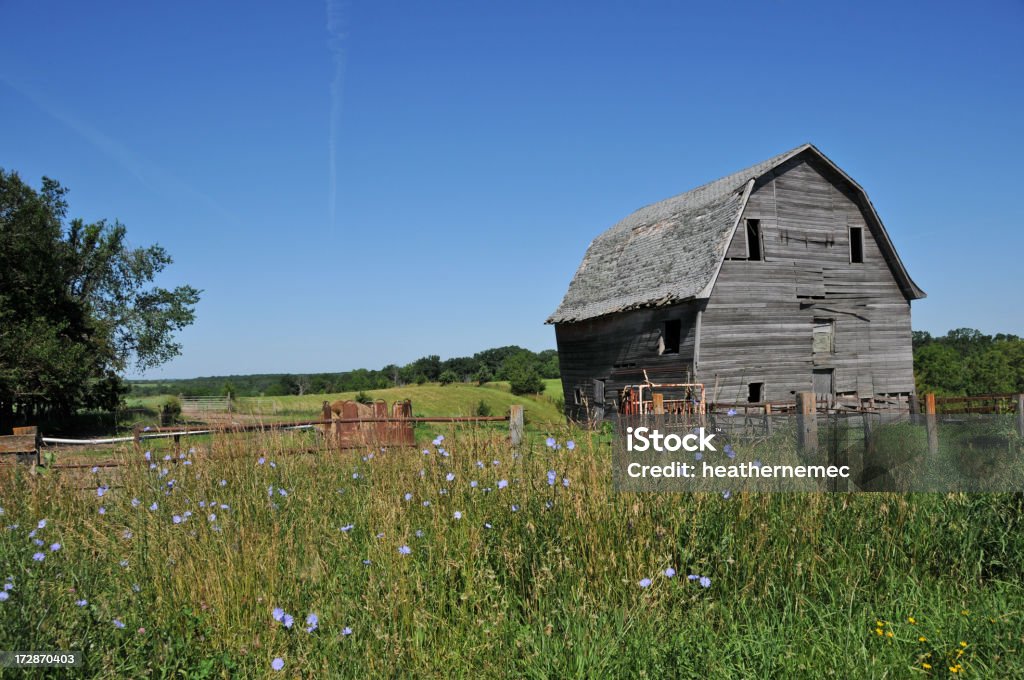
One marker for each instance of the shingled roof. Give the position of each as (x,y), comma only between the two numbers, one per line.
(671,251)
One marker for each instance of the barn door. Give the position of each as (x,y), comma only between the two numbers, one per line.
(824,386)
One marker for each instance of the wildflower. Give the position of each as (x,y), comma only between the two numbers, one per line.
(282,492)
(103,510)
(136,588)
(502,483)
(705,582)
(188,513)
(273,464)
(212,517)
(261,460)
(570,445)
(963,644)
(419,533)
(922,639)
(457,515)
(473,484)
(450,477)
(889,634)
(926,666)
(288,621)
(645,582)
(729,451)
(167,458)
(312,623)
(355,475)
(756,464)
(127,534)
(726,494)
(277,664)
(118,623)
(54,547)
(31,533)
(565,482)
(426,452)
(438,440)
(123,563)
(4,595)
(347,528)
(346,631)
(404,550)
(153,507)
(94,469)
(42,524)
(147,455)
(495,463)
(731,412)
(223,482)
(480,464)
(487,525)
(38,542)
(380,535)
(278,614)
(176,519)
(550,442)
(136,502)
(408,497)
(426,504)
(551,477)
(911,619)
(670,572)
(515,508)
(81,603)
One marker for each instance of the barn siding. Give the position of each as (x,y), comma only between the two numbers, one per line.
(758,320)
(617,348)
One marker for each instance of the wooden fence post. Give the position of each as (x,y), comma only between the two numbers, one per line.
(768,419)
(807,423)
(515,425)
(1020,414)
(930,423)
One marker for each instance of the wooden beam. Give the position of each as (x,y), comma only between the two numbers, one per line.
(515,425)
(807,423)
(930,423)
(1020,414)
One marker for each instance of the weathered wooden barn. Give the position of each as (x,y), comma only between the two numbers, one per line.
(774,280)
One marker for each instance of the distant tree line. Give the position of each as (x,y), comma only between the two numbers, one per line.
(967,362)
(525,370)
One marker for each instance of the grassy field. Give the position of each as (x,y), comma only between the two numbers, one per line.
(432,399)
(473,560)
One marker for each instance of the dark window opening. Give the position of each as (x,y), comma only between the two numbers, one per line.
(754,240)
(856,245)
(578,395)
(670,337)
(755,392)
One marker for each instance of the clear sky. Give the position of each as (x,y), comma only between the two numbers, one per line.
(359,183)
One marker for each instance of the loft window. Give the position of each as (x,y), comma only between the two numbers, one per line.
(577,395)
(754,240)
(856,245)
(824,336)
(754,392)
(670,337)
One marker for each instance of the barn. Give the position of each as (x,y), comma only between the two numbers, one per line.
(774,280)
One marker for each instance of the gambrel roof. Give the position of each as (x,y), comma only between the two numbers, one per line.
(672,251)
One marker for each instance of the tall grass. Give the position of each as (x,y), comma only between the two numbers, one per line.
(539,578)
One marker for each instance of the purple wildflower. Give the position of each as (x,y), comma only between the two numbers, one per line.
(277,664)
(312,623)
(404,550)
(705,581)
(645,582)
(502,483)
(278,614)
(570,445)
(670,572)
(457,515)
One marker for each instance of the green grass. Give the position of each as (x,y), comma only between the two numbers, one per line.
(431,399)
(800,584)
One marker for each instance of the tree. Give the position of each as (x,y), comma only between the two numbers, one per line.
(448,377)
(522,374)
(77,307)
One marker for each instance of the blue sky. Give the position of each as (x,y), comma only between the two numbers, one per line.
(359,183)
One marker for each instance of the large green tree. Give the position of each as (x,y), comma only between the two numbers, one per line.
(77,305)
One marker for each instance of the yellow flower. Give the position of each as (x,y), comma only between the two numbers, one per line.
(952,669)
(878,630)
(963,644)
(965,612)
(889,634)
(879,624)
(926,666)
(911,619)
(922,639)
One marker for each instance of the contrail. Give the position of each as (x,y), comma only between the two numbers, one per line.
(335,44)
(145,171)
